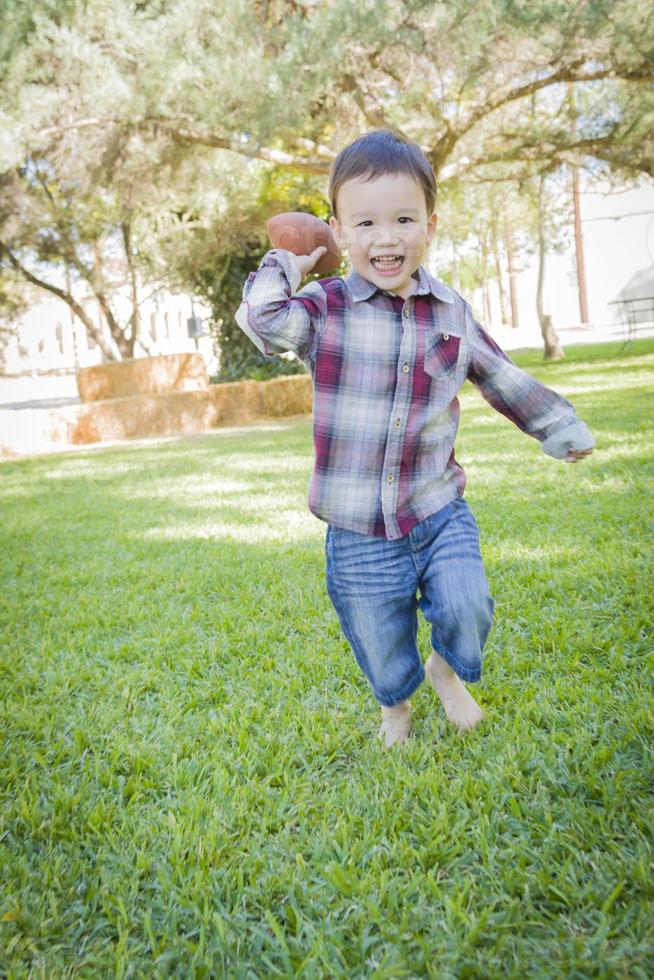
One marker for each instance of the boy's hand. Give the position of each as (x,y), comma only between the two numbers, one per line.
(574,455)
(305,263)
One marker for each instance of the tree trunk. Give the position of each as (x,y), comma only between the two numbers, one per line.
(500,274)
(553,349)
(134,316)
(579,241)
(515,316)
(579,250)
(484,280)
(73,325)
(97,284)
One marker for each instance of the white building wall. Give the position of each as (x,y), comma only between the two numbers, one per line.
(50,339)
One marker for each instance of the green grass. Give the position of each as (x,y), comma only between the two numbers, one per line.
(191,783)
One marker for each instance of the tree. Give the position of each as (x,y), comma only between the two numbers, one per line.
(455,76)
(51,231)
(109,102)
(283,82)
(224,249)
(553,349)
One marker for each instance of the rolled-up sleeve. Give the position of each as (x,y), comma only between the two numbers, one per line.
(529,404)
(274,316)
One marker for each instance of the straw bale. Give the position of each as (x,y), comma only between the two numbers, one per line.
(143,376)
(291,395)
(237,401)
(142,416)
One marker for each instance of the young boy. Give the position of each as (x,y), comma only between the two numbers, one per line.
(388,347)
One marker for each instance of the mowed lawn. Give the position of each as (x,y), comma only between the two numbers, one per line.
(191,782)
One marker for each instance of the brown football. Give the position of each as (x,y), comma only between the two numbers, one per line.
(300,233)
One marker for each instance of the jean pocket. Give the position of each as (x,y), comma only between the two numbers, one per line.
(336,540)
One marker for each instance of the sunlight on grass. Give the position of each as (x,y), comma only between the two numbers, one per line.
(201,491)
(545,552)
(601,383)
(285,525)
(604,368)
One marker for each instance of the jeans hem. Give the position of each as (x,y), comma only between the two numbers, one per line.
(411,685)
(468,674)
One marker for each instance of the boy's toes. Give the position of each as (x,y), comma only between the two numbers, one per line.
(390,736)
(459,705)
(469,718)
(396,723)
(463,712)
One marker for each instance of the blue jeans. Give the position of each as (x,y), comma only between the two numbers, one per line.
(373,584)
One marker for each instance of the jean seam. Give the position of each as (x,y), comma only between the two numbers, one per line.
(408,688)
(349,625)
(465,673)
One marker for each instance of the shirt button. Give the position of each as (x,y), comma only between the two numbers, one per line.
(398,423)
(446,336)
(406,311)
(405,368)
(389,478)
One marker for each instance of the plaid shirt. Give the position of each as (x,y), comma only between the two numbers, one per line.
(386,372)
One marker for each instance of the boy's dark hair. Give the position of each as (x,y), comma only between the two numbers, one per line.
(382,151)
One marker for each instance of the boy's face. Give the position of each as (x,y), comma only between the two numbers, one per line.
(386,216)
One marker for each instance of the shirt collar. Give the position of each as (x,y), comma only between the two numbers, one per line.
(361,288)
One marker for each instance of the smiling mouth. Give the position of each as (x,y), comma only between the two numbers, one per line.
(390,263)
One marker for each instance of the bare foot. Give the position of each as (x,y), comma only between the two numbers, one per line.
(396,723)
(460,706)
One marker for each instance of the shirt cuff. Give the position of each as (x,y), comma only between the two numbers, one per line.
(575,435)
(288,264)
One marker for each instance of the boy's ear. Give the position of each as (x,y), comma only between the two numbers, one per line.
(335,226)
(431,226)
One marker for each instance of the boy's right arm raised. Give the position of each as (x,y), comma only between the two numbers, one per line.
(272,314)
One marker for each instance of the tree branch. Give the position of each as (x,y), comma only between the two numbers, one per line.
(608,148)
(67,298)
(567,73)
(186,134)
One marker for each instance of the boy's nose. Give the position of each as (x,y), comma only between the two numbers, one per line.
(386,236)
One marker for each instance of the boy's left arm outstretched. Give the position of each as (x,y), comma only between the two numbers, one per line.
(531,405)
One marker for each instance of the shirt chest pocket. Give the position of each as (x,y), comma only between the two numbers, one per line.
(442,356)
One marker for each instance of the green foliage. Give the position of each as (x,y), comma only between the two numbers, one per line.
(190,780)
(283,189)
(239,358)
(219,276)
(19,21)
(176,117)
(13,299)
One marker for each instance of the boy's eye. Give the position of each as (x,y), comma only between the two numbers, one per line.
(367,222)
